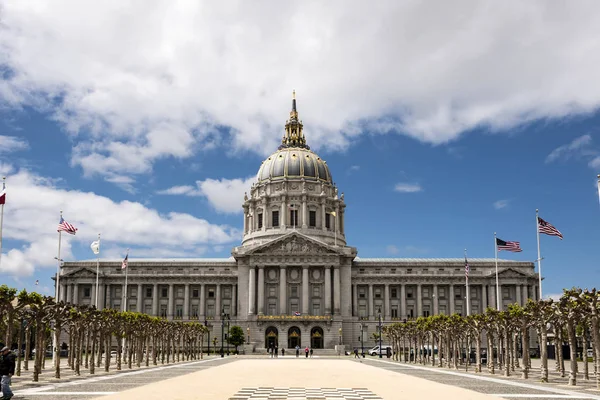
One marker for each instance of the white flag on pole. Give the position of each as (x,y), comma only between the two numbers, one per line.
(95,246)
(598,187)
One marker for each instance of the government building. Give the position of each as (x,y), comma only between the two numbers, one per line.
(294,280)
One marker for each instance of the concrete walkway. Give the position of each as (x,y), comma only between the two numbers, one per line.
(239,379)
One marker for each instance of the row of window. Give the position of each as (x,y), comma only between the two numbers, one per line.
(426,292)
(293,218)
(273,291)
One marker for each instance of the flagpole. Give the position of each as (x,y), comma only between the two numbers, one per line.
(97,270)
(125,291)
(497,285)
(467,285)
(539,257)
(56,298)
(2,218)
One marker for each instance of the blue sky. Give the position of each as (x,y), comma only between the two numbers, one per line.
(437,141)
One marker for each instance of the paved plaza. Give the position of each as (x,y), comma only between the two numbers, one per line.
(257,377)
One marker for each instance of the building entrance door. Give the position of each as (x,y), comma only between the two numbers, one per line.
(316,338)
(271,335)
(294,337)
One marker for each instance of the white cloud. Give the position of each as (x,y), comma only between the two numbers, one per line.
(553,296)
(595,163)
(579,147)
(500,204)
(405,250)
(408,187)
(392,249)
(12,143)
(134,90)
(32,211)
(224,195)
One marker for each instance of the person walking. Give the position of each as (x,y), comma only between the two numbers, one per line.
(306,351)
(311,352)
(356,352)
(276,351)
(282,352)
(297,351)
(7,370)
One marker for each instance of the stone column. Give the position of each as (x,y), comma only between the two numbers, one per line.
(500,297)
(233,300)
(402,301)
(69,294)
(386,299)
(436,300)
(337,303)
(101,290)
(355,300)
(218,301)
(251,292)
(186,302)
(323,227)
(282,291)
(451,298)
(107,298)
(140,297)
(63,292)
(245,219)
(202,300)
(371,313)
(483,299)
(283,212)
(328,299)
(492,295)
(261,290)
(76,294)
(304,212)
(519,297)
(155,300)
(305,294)
(337,229)
(266,218)
(525,293)
(170,303)
(419,301)
(93,295)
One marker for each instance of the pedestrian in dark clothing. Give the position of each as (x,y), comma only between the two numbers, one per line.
(7,370)
(276,351)
(356,353)
(306,351)
(282,352)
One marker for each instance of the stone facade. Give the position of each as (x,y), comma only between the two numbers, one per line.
(294,280)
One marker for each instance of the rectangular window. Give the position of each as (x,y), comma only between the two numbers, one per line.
(442,310)
(294,217)
(148,292)
(409,270)
(294,306)
(163,311)
(148,309)
(473,293)
(458,310)
(411,313)
(195,293)
(134,292)
(210,310)
(179,311)
(505,293)
(226,292)
(394,293)
(394,311)
(316,309)
(457,293)
(316,292)
(272,308)
(312,218)
(272,291)
(442,293)
(327,220)
(409,293)
(377,293)
(260,221)
(86,292)
(180,292)
(426,311)
(275,218)
(294,291)
(426,292)
(164,292)
(362,311)
(361,293)
(118,293)
(211,293)
(195,311)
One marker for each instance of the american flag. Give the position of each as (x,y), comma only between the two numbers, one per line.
(515,247)
(3,193)
(548,228)
(125,262)
(66,227)
(297,313)
(467,268)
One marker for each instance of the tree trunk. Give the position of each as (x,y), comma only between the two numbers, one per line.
(596,340)
(93,350)
(57,329)
(20,347)
(478,351)
(515,347)
(27,346)
(506,358)
(525,345)
(573,350)
(87,348)
(543,352)
(586,373)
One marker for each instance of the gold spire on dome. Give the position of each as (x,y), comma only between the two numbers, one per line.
(294,137)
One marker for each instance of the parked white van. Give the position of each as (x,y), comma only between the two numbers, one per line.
(375,350)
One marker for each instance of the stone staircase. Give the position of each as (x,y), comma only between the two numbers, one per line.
(292,352)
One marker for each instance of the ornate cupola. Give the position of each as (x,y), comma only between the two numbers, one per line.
(294,190)
(294,137)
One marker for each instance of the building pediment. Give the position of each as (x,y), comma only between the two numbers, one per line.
(81,273)
(511,273)
(293,243)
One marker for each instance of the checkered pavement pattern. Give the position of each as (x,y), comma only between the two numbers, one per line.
(276,393)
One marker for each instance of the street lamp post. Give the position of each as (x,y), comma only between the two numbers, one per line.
(222,331)
(379,312)
(227,334)
(206,325)
(340,332)
(362,342)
